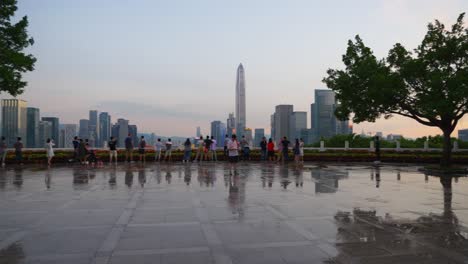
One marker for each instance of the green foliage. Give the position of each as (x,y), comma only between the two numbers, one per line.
(429,84)
(13,40)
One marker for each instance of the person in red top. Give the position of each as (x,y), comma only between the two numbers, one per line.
(271,150)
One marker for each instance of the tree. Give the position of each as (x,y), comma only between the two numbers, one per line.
(13,40)
(429,85)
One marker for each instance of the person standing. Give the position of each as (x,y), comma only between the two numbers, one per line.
(187,150)
(76,144)
(158,146)
(129,148)
(271,150)
(263,149)
(3,150)
(200,149)
(280,151)
(207,149)
(50,151)
(285,148)
(18,150)
(168,154)
(214,143)
(112,144)
(226,141)
(377,149)
(245,148)
(141,149)
(297,151)
(301,150)
(233,148)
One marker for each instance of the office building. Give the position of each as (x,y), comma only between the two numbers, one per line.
(324,123)
(69,132)
(84,129)
(104,128)
(231,125)
(120,131)
(259,134)
(14,120)
(132,129)
(463,134)
(272,126)
(248,136)
(45,132)
(32,134)
(55,127)
(198,132)
(218,131)
(282,121)
(240,100)
(298,123)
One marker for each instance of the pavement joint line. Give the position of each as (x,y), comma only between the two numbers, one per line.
(301,230)
(276,212)
(271,245)
(165,224)
(160,251)
(328,249)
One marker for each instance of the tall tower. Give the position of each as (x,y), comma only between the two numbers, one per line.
(240,101)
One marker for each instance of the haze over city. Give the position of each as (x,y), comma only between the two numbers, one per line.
(171,66)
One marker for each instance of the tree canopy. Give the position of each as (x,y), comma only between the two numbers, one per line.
(13,40)
(428,84)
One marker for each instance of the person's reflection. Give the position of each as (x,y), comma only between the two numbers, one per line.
(142,176)
(398,176)
(80,176)
(187,174)
(3,180)
(113,177)
(158,174)
(210,177)
(202,175)
(18,180)
(47,179)
(236,197)
(298,174)
(169,174)
(128,176)
(377,177)
(284,174)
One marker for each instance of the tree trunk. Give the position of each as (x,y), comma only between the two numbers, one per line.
(447,151)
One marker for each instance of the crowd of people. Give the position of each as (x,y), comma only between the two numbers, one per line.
(205,150)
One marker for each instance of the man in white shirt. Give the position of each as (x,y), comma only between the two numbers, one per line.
(158,146)
(213,149)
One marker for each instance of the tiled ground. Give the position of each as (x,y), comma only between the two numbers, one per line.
(210,213)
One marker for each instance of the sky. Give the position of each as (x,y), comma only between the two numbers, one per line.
(170,66)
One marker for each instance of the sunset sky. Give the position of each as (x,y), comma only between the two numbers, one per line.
(169,66)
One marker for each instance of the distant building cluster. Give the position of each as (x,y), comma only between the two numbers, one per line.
(19,120)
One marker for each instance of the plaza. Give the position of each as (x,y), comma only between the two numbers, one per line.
(212,213)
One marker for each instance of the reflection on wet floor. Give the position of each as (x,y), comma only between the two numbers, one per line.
(258,212)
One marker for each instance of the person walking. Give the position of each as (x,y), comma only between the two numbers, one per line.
(297,151)
(301,150)
(200,149)
(263,149)
(233,148)
(226,141)
(112,144)
(187,150)
(141,149)
(285,148)
(168,154)
(207,149)
(82,151)
(50,151)
(129,148)
(18,150)
(271,150)
(245,148)
(214,143)
(158,146)
(3,150)
(280,151)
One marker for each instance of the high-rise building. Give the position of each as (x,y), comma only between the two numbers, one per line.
(259,134)
(93,128)
(248,136)
(104,128)
(45,132)
(14,120)
(463,134)
(323,121)
(282,121)
(240,101)
(120,131)
(298,123)
(55,134)
(32,134)
(272,126)
(198,132)
(132,129)
(218,131)
(231,125)
(69,132)
(84,129)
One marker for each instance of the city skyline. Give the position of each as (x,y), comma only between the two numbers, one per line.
(164,73)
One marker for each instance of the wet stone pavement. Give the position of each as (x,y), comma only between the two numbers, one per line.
(257,213)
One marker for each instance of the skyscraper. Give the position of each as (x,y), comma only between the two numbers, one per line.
(231,125)
(323,121)
(298,123)
(282,121)
(120,131)
(259,134)
(32,134)
(132,129)
(104,128)
(45,132)
(198,132)
(84,129)
(93,128)
(55,130)
(69,132)
(14,120)
(218,131)
(240,101)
